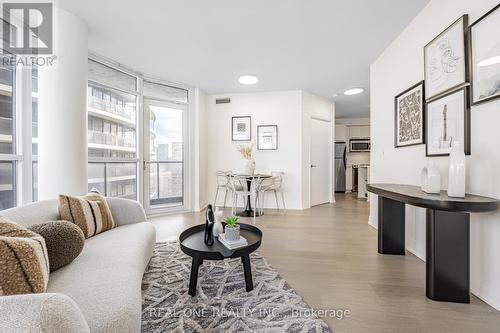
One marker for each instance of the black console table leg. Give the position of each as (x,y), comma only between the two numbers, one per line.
(193,280)
(391,226)
(448,256)
(248,272)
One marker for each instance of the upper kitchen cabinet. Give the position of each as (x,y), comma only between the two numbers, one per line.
(341,133)
(359,131)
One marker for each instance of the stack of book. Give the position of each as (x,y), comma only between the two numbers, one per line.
(232,245)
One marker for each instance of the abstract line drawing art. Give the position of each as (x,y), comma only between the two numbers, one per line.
(409,113)
(446,60)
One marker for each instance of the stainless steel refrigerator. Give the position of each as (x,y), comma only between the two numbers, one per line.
(340,166)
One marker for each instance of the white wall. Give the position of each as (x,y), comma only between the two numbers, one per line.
(399,67)
(272,108)
(321,108)
(292,112)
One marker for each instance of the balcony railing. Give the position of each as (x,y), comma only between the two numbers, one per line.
(125,111)
(166,185)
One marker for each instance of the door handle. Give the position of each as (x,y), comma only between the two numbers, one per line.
(313,166)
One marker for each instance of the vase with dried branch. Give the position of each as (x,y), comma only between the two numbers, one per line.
(249,162)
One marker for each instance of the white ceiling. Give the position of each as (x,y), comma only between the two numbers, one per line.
(322,46)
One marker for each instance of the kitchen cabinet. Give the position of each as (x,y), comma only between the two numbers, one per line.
(348,179)
(341,133)
(361,131)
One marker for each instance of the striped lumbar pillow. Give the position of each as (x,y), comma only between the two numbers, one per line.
(91,213)
(24,264)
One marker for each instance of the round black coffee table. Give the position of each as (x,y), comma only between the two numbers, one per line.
(192,244)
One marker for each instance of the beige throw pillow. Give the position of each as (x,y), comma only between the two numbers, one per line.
(24,263)
(91,213)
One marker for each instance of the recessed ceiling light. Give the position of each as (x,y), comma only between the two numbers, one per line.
(248,79)
(353,91)
(490,61)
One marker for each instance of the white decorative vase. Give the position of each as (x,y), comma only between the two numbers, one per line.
(456,174)
(249,166)
(218,227)
(431,178)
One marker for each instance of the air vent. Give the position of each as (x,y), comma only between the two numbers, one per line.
(222,100)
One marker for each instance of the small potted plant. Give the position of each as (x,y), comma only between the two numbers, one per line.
(232,230)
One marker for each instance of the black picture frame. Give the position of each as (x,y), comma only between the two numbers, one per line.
(249,128)
(259,127)
(465,22)
(396,115)
(472,58)
(467,131)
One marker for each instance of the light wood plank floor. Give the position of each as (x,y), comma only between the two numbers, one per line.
(328,254)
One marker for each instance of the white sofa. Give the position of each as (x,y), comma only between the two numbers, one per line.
(100,291)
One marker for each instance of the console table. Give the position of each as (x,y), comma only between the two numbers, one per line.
(447,234)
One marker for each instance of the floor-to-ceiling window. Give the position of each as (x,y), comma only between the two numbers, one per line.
(112,97)
(18,114)
(8,157)
(118,101)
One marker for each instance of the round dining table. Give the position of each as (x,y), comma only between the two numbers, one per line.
(248,212)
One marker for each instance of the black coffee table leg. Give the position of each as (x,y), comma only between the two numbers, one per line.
(193,280)
(248,272)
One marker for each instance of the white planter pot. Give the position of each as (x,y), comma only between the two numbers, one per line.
(232,234)
(249,166)
(456,174)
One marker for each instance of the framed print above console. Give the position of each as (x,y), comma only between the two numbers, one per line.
(267,137)
(448,122)
(241,128)
(446,60)
(485,57)
(409,108)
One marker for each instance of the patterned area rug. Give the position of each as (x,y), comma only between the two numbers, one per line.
(221,303)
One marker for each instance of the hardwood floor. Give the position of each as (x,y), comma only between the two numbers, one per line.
(328,254)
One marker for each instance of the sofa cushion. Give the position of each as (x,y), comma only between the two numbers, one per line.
(64,241)
(91,213)
(44,312)
(24,264)
(105,279)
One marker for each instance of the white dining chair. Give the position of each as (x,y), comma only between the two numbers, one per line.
(275,185)
(238,186)
(222,179)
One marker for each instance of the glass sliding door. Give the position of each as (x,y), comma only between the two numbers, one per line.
(165,169)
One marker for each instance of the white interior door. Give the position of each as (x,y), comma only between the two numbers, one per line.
(320,161)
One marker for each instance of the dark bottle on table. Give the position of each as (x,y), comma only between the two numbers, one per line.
(209,226)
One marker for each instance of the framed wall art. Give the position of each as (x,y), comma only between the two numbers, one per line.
(485,57)
(241,128)
(267,137)
(409,121)
(446,60)
(448,122)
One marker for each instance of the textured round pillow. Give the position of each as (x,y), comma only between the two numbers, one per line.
(64,241)
(24,264)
